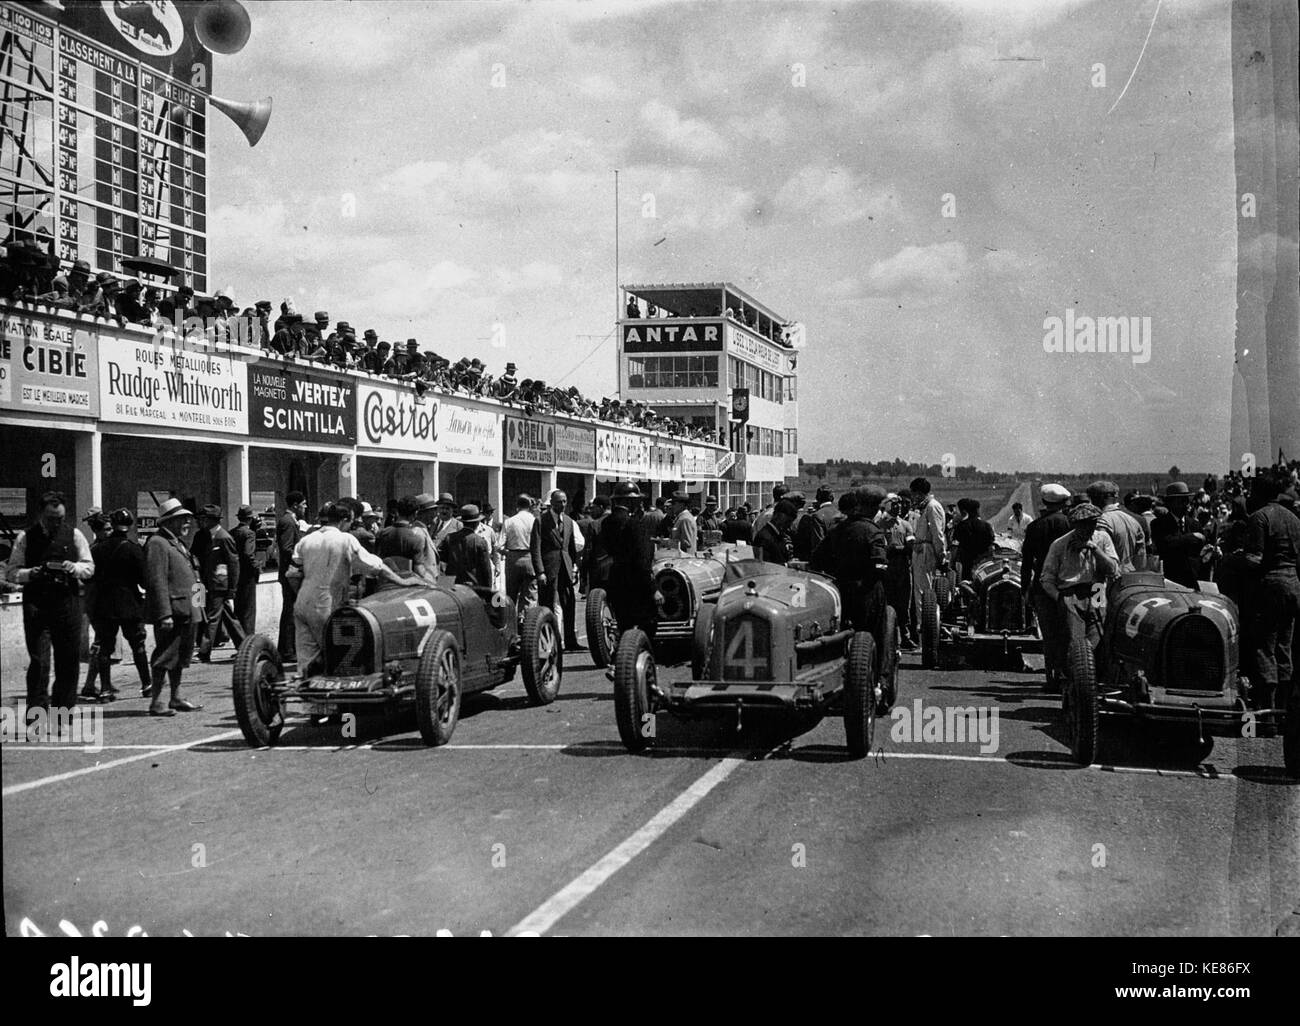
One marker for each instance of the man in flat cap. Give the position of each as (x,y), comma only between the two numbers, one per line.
(630,583)
(685,532)
(1125,530)
(1075,572)
(244,537)
(855,553)
(218,559)
(1039,536)
(406,538)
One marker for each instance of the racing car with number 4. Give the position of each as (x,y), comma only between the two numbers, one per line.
(425,647)
(773,639)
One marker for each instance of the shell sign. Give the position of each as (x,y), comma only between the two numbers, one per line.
(530,441)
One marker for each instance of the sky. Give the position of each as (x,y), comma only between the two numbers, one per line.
(444,171)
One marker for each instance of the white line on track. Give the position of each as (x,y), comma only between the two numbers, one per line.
(568,898)
(31,785)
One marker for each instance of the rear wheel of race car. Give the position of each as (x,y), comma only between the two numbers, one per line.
(634,679)
(943,591)
(860,694)
(888,661)
(602,628)
(257,669)
(542,655)
(437,689)
(1079,705)
(929,630)
(700,642)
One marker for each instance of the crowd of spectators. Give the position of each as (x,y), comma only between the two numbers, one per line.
(29,274)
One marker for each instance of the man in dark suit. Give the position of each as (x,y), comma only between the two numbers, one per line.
(465,553)
(1052,523)
(173,603)
(118,604)
(555,561)
(219,570)
(244,535)
(287,534)
(630,583)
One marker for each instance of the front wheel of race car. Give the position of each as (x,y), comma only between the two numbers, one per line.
(1079,705)
(700,641)
(860,694)
(929,630)
(888,661)
(541,655)
(437,689)
(602,628)
(634,681)
(257,669)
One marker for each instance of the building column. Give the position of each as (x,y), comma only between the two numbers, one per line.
(347,474)
(234,482)
(429,477)
(551,481)
(589,485)
(87,472)
(494,496)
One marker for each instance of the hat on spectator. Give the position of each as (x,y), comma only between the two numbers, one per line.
(710,500)
(104,279)
(322,317)
(1053,494)
(1174,488)
(81,265)
(425,501)
(170,509)
(343,327)
(245,512)
(371,333)
(121,517)
(133,285)
(412,345)
(511,367)
(446,499)
(1084,511)
(92,513)
(263,304)
(384,345)
(468,514)
(626,490)
(798,498)
(211,510)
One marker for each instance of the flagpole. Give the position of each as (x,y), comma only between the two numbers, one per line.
(618,305)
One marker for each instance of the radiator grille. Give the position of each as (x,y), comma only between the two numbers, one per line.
(1194,655)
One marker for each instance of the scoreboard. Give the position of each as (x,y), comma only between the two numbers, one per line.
(104,146)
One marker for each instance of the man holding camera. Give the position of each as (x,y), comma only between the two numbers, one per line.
(50,560)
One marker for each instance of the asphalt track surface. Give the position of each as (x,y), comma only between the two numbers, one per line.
(534,819)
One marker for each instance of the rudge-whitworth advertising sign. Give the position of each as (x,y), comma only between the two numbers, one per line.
(302,405)
(625,455)
(47,366)
(162,386)
(575,447)
(530,441)
(390,418)
(467,434)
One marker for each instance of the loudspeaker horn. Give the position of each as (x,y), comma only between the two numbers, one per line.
(251,117)
(223,26)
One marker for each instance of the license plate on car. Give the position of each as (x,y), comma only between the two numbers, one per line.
(338,684)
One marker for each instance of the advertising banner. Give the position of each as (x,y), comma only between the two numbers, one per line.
(468,435)
(665,462)
(530,441)
(296,404)
(575,447)
(698,462)
(672,337)
(622,454)
(161,386)
(760,353)
(47,366)
(390,418)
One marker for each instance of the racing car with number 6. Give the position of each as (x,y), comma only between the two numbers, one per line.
(425,647)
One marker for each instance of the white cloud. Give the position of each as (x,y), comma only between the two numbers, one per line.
(832,195)
(924,269)
(690,137)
